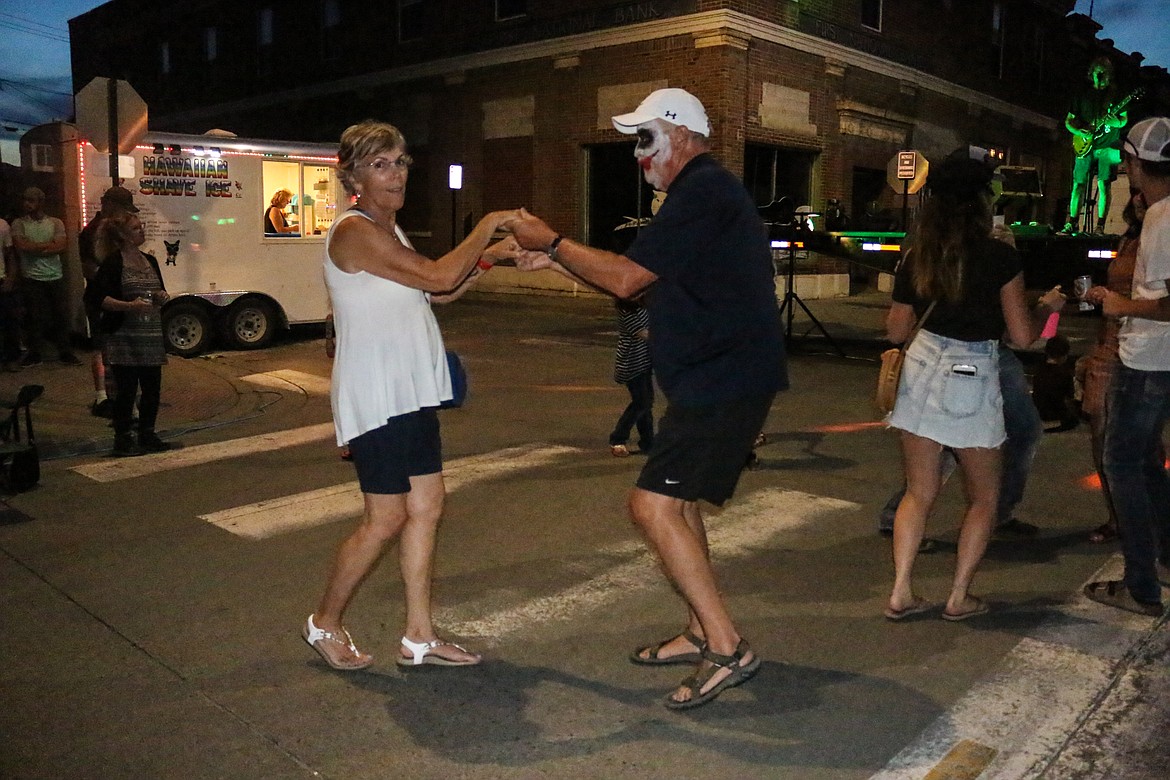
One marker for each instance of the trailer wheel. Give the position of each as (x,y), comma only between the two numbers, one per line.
(251,323)
(186,328)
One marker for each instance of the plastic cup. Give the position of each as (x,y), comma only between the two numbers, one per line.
(1081,287)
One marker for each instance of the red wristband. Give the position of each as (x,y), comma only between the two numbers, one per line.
(483,265)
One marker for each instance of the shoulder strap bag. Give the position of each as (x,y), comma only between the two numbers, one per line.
(890,372)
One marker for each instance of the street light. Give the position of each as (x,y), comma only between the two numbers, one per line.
(455,183)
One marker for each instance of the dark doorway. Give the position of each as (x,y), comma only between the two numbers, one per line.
(868,210)
(617,195)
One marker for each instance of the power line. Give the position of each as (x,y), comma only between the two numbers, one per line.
(47,106)
(27,85)
(30,31)
(51,28)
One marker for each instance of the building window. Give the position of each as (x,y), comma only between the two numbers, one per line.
(772,174)
(265,41)
(510,9)
(330,29)
(1039,52)
(871,14)
(164,58)
(42,157)
(998,33)
(264,26)
(617,196)
(414,19)
(211,43)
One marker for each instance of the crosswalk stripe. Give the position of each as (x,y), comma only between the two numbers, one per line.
(285,379)
(317,507)
(744,526)
(1026,708)
(114,469)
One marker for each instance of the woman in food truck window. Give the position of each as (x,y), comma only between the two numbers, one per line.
(275,220)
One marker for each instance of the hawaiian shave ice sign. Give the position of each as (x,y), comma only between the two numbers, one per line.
(186,176)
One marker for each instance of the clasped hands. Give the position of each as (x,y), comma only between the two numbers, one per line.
(528,243)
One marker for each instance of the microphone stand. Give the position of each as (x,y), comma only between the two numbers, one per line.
(791,299)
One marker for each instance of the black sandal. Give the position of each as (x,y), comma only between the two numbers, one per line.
(740,673)
(652,659)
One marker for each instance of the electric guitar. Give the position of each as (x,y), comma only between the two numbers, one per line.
(1082,146)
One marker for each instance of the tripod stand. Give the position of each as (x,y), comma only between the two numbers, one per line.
(790,234)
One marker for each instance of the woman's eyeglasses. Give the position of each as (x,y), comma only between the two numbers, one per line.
(400,165)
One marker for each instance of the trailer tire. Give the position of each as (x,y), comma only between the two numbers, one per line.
(251,322)
(186,328)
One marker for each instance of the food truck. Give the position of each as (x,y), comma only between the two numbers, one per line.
(202,201)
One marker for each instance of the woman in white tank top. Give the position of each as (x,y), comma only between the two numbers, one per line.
(389,377)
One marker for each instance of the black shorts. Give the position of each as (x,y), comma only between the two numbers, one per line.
(406,446)
(700,451)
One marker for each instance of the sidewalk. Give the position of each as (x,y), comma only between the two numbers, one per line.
(193,395)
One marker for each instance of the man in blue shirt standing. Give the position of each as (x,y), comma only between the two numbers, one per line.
(705,266)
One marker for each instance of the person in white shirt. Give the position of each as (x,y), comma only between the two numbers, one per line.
(390,375)
(1139,398)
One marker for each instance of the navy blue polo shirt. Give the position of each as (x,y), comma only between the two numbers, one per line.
(715,332)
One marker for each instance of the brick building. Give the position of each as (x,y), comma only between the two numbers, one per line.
(809,99)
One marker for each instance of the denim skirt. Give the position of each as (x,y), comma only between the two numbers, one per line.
(949,392)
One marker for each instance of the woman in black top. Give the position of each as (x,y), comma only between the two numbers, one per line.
(949,395)
(128,288)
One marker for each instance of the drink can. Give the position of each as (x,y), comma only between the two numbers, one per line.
(1081,287)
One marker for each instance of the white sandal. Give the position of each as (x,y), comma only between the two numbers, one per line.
(317,639)
(423,653)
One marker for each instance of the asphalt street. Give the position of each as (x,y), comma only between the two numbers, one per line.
(152,606)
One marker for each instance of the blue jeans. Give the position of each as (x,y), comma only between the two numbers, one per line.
(1024,429)
(1139,405)
(639,412)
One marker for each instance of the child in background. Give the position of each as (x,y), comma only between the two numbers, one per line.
(1053,387)
(632,368)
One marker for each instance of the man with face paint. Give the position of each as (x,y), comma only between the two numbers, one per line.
(705,266)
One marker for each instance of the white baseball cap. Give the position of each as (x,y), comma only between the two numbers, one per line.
(1149,140)
(676,106)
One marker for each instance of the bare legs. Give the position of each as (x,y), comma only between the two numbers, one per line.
(980,468)
(412,517)
(920,458)
(674,530)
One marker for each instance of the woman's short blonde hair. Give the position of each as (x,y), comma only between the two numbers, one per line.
(363,140)
(281,198)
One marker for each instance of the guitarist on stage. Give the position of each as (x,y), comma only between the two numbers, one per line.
(1095,120)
